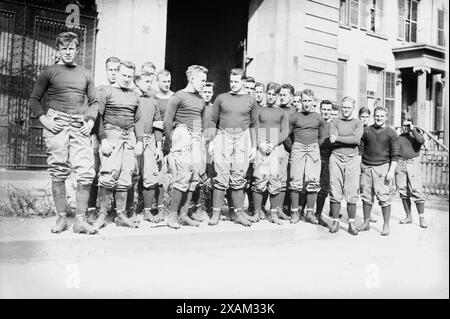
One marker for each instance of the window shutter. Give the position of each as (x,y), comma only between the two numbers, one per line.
(364,13)
(401,19)
(354,12)
(362,101)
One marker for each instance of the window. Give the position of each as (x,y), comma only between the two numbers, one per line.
(407,25)
(440,28)
(389,96)
(372,15)
(349,12)
(342,79)
(374,90)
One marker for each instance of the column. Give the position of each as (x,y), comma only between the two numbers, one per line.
(398,98)
(421,104)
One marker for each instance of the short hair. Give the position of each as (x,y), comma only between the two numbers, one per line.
(211,84)
(298,93)
(380,108)
(273,86)
(348,99)
(250,79)
(363,110)
(149,64)
(112,59)
(289,87)
(335,106)
(257,84)
(127,64)
(162,72)
(195,69)
(66,38)
(326,102)
(308,92)
(237,71)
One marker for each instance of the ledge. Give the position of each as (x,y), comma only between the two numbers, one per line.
(376,35)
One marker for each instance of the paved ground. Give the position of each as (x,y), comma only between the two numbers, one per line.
(266,261)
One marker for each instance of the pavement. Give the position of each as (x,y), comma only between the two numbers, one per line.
(227,261)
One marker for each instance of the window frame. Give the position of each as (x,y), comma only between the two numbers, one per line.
(406,20)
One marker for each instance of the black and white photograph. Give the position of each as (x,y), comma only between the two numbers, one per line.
(238,152)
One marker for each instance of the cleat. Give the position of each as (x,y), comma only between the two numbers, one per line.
(335,227)
(61,225)
(81,226)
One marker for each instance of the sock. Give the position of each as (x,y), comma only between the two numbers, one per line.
(276,201)
(257,201)
(177,197)
(367,209)
(351,211)
(218,198)
(121,200)
(335,209)
(149,196)
(294,200)
(311,199)
(237,197)
(407,206)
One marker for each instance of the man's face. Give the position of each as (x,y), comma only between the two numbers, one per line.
(198,80)
(68,52)
(149,71)
(307,103)
(380,118)
(144,84)
(285,96)
(297,103)
(111,71)
(325,110)
(236,83)
(365,118)
(347,109)
(207,93)
(124,76)
(271,97)
(406,128)
(334,113)
(259,94)
(250,88)
(164,82)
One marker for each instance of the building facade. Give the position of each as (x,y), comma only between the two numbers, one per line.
(381,52)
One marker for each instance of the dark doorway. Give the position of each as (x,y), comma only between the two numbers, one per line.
(207,33)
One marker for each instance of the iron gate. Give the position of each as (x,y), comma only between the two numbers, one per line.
(27,46)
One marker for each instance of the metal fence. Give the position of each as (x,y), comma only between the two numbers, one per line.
(435,168)
(27,45)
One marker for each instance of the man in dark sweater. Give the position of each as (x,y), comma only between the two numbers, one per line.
(199,214)
(345,163)
(112,65)
(183,133)
(152,154)
(164,80)
(290,104)
(121,133)
(66,128)
(326,107)
(408,177)
(308,132)
(234,146)
(380,152)
(271,158)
